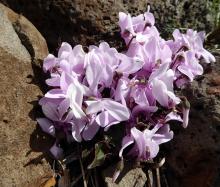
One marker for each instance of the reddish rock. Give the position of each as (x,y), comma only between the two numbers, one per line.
(21,48)
(214,90)
(215,79)
(88,22)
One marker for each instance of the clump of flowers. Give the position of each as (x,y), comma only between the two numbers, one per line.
(134,89)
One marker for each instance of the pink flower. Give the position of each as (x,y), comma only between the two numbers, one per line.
(137,87)
(145,145)
(162,86)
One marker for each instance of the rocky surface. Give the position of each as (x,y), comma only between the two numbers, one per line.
(88,22)
(194,155)
(134,177)
(21,49)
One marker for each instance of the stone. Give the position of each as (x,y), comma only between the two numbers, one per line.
(22,48)
(193,156)
(89,22)
(215,79)
(132,177)
(214,90)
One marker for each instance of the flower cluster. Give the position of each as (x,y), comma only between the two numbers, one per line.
(136,88)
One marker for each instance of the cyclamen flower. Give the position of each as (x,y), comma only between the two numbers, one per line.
(137,29)
(103,87)
(194,42)
(162,86)
(77,103)
(146,143)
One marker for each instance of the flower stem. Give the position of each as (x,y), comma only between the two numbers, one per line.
(82,169)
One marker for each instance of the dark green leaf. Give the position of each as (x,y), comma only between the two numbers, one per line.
(99,156)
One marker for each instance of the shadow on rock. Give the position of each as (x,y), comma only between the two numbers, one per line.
(40,142)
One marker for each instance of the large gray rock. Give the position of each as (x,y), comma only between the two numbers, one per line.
(21,48)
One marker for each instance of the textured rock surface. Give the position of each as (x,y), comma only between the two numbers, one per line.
(194,158)
(21,48)
(134,177)
(88,22)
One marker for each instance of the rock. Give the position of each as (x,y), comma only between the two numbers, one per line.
(214,36)
(132,177)
(194,154)
(21,48)
(89,22)
(84,22)
(214,90)
(182,14)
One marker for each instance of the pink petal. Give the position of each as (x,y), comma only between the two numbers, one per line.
(128,65)
(64,50)
(139,140)
(76,133)
(46,126)
(56,151)
(75,95)
(105,119)
(159,90)
(90,131)
(122,89)
(153,148)
(127,140)
(54,81)
(116,110)
(125,23)
(63,107)
(50,111)
(94,107)
(93,71)
(49,62)
(55,93)
(65,81)
(173,116)
(163,135)
(159,72)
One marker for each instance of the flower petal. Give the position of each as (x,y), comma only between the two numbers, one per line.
(116,110)
(90,131)
(46,126)
(56,151)
(140,141)
(75,95)
(159,90)
(127,140)
(49,110)
(173,116)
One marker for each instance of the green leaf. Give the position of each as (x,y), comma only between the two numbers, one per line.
(99,156)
